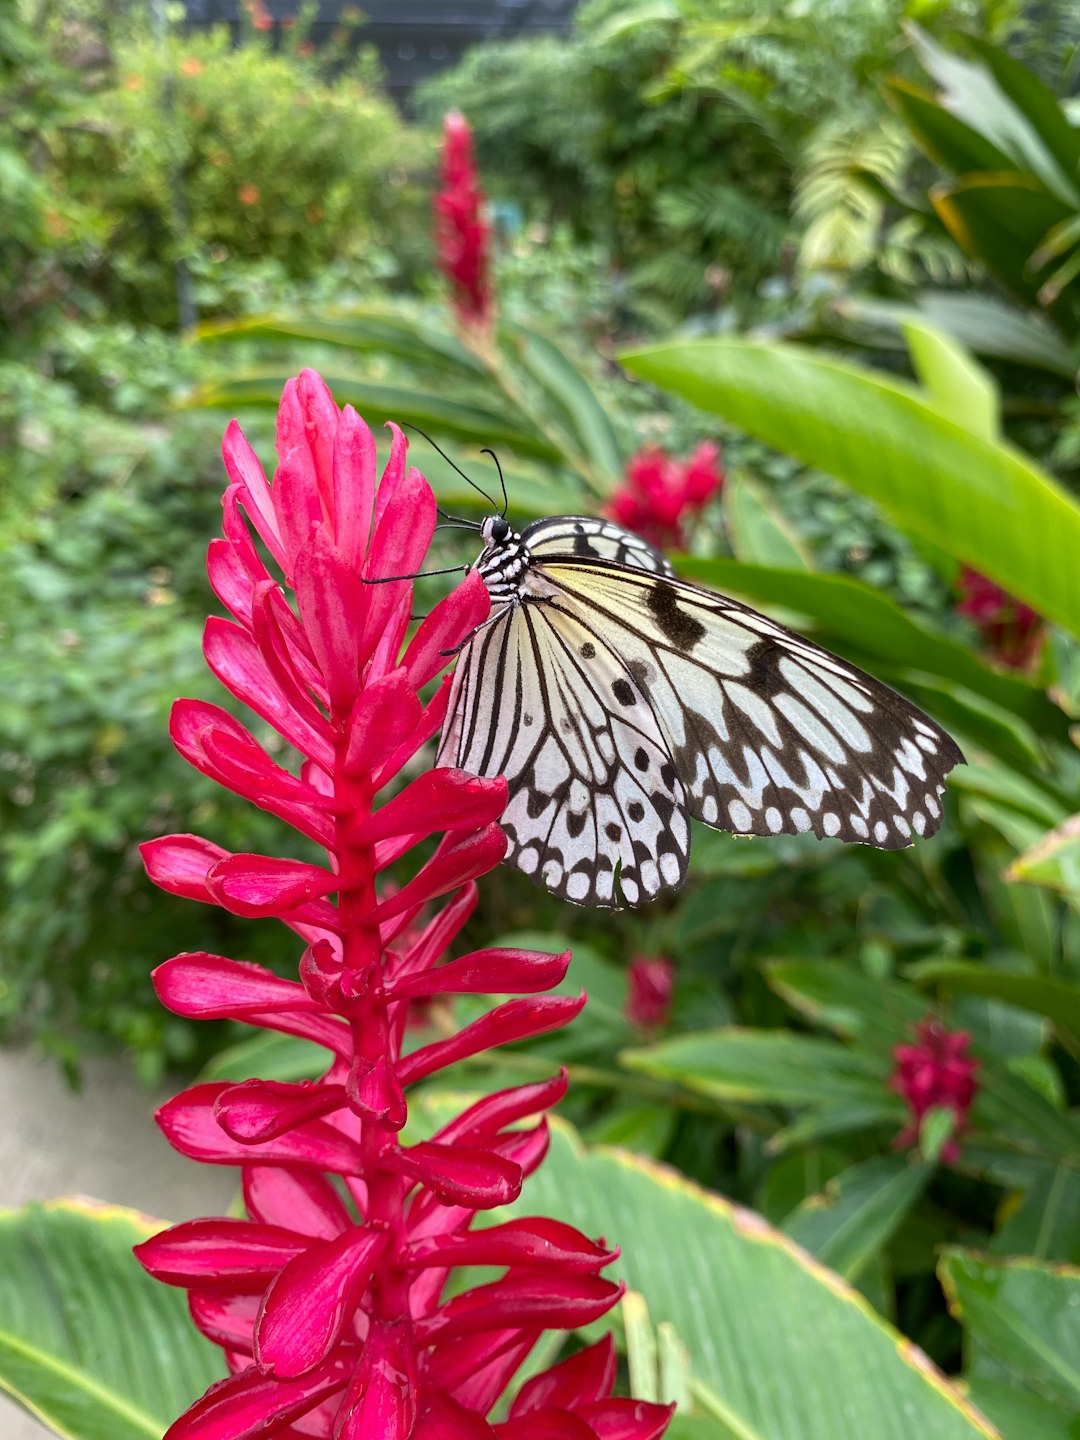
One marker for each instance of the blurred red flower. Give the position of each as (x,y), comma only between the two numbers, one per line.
(462,234)
(1012,631)
(330,1299)
(661,494)
(651,987)
(935,1072)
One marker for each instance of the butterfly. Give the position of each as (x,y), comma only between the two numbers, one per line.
(619,701)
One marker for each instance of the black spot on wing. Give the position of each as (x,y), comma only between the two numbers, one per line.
(765,678)
(623,691)
(682,629)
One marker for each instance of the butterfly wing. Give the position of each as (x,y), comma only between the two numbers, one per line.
(593,539)
(770,733)
(595,804)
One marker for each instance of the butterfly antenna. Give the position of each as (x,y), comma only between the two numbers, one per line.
(407,425)
(502,482)
(418,575)
(458,520)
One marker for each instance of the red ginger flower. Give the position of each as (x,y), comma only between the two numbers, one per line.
(328,1300)
(935,1073)
(661,493)
(1012,631)
(461,232)
(651,986)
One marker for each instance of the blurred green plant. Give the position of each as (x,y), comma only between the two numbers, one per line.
(101,606)
(221,157)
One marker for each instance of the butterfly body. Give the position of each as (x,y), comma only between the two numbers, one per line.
(619,701)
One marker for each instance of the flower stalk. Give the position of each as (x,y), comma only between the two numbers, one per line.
(330,1298)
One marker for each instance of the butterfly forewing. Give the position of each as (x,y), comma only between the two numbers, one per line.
(596,811)
(769,733)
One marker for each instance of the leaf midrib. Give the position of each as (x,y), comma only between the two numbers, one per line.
(78,1380)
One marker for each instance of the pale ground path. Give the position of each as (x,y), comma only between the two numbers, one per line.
(103,1143)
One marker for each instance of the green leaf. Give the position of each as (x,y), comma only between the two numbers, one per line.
(1019,1414)
(1045,995)
(881,1013)
(1023,1313)
(1008,1104)
(770,1067)
(959,386)
(851,616)
(999,219)
(1053,861)
(759,533)
(767,1328)
(972,92)
(988,505)
(572,398)
(1038,105)
(947,140)
(89,1343)
(359,328)
(1043,1224)
(270,1056)
(466,422)
(857,1212)
(991,327)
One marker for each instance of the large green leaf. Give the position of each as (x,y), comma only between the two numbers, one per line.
(1019,1414)
(986,504)
(947,140)
(770,1067)
(89,1343)
(1058,1000)
(999,219)
(759,533)
(569,395)
(1024,1314)
(848,615)
(767,1328)
(993,328)
(1038,104)
(881,1013)
(357,328)
(957,384)
(971,91)
(858,1212)
(459,420)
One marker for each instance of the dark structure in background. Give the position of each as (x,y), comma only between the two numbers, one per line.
(414,38)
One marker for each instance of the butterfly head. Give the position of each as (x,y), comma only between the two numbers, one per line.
(496,532)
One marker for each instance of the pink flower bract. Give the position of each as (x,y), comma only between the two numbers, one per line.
(661,494)
(329,1299)
(462,234)
(650,990)
(1012,631)
(935,1072)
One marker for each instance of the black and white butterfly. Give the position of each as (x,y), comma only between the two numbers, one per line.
(619,701)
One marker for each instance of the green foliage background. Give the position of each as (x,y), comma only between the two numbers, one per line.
(792,229)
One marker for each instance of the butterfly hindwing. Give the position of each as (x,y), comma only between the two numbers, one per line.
(596,810)
(769,733)
(587,537)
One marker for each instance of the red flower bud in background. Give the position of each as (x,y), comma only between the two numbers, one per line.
(462,234)
(1011,630)
(330,1299)
(661,494)
(650,990)
(936,1072)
